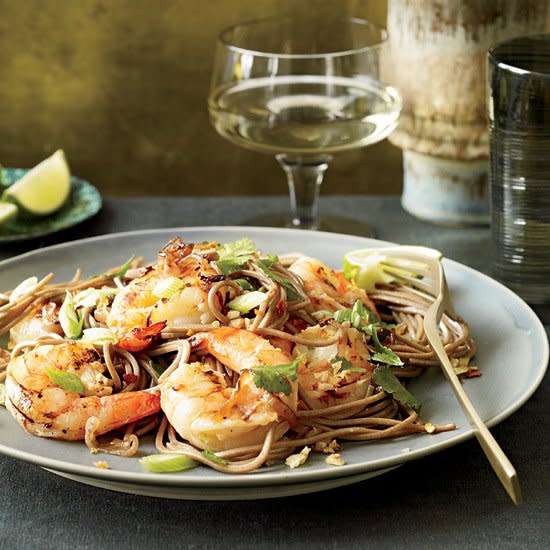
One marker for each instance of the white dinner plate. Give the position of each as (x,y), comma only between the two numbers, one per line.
(512,355)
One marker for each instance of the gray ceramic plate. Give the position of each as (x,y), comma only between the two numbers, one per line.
(513,356)
(223,493)
(83,203)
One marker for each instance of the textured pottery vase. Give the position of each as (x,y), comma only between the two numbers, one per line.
(437,60)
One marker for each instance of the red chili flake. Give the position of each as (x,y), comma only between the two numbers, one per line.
(129,377)
(280,308)
(473,373)
(297,323)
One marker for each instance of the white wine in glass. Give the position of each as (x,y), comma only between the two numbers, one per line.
(280,88)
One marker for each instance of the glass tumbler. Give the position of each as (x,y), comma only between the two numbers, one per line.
(519,125)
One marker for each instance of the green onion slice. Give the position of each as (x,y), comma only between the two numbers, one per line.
(167,287)
(248,301)
(98,335)
(70,321)
(67,380)
(166,463)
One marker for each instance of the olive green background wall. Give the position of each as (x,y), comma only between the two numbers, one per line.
(121,86)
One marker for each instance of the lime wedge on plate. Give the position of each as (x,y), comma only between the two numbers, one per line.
(364,268)
(44,189)
(8,212)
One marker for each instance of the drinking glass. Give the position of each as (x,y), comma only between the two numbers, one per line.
(302,90)
(519,127)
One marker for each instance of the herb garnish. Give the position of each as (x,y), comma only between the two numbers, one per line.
(384,354)
(345,364)
(67,380)
(384,377)
(265,264)
(210,455)
(233,256)
(363,319)
(275,378)
(122,271)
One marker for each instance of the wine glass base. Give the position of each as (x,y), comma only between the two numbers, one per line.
(332,224)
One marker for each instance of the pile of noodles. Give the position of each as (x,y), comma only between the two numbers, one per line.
(375,416)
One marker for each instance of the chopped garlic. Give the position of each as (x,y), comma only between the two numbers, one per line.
(335,459)
(324,386)
(233,314)
(104,465)
(293,461)
(429,427)
(327,447)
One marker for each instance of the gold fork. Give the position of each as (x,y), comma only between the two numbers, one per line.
(420,268)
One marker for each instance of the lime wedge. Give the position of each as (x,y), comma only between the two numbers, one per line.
(44,189)
(8,212)
(364,269)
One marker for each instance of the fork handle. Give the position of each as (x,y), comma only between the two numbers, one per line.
(499,461)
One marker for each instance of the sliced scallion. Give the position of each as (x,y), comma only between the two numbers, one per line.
(70,321)
(248,301)
(166,463)
(98,335)
(167,287)
(67,380)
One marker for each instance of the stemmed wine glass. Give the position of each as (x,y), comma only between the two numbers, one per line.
(302,89)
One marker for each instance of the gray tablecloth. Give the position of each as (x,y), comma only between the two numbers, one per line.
(450,499)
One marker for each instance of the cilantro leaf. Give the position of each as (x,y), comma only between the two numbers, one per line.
(207,453)
(290,290)
(367,321)
(361,318)
(385,378)
(244,284)
(384,354)
(345,364)
(157,367)
(275,378)
(233,256)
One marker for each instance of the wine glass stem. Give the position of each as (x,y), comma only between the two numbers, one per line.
(304,183)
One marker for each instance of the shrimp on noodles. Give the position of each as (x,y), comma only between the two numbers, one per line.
(208,412)
(42,321)
(227,354)
(173,293)
(45,408)
(335,374)
(328,289)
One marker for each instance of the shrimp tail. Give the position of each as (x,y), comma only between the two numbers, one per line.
(139,339)
(126,407)
(112,412)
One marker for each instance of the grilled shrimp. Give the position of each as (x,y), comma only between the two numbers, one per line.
(208,412)
(39,399)
(43,320)
(174,292)
(328,289)
(334,374)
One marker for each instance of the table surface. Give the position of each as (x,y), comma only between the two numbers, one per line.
(451,498)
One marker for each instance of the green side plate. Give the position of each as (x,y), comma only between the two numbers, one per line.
(84,202)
